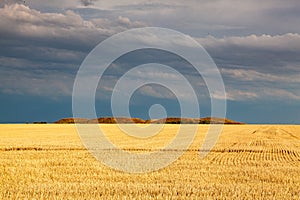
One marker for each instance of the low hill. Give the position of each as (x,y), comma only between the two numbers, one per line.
(206,120)
(71,121)
(170,120)
(120,120)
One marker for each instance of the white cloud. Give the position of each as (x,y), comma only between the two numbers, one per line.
(157,92)
(260,93)
(252,75)
(19,22)
(288,42)
(22,21)
(226,17)
(281,94)
(239,95)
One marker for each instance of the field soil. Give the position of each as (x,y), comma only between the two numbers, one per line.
(48,161)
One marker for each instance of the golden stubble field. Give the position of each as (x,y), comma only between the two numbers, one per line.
(248,162)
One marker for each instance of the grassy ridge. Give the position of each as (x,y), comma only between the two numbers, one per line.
(170,120)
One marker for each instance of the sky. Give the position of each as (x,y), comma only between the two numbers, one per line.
(255,45)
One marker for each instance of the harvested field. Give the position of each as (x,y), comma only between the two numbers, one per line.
(248,162)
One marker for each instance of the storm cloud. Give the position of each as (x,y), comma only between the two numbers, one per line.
(87,2)
(255,44)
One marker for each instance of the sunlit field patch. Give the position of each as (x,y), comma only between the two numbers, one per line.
(248,162)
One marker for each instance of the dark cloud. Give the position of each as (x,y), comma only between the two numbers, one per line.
(265,53)
(258,67)
(10,2)
(59,42)
(255,44)
(88,2)
(41,49)
(146,6)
